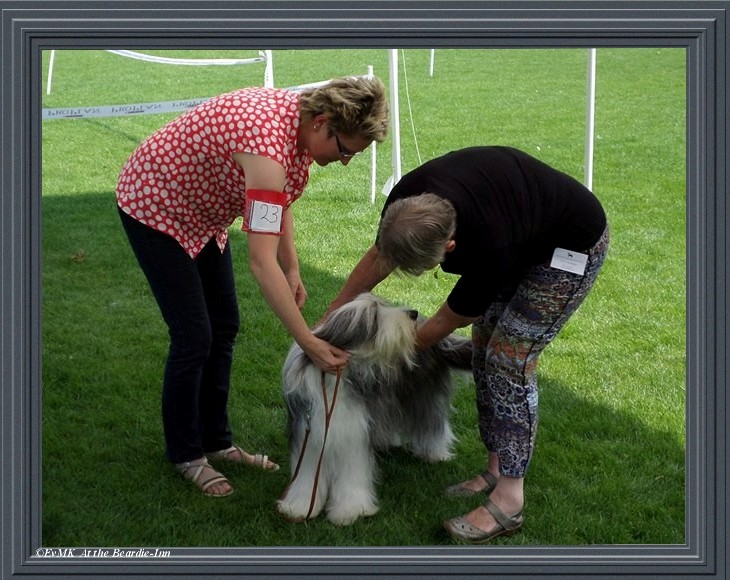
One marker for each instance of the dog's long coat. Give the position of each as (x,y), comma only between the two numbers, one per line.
(389,395)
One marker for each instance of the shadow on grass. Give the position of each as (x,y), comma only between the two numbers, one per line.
(600,475)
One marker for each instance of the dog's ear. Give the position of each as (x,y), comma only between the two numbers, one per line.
(351,325)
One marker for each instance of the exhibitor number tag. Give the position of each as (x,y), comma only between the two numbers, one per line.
(266,217)
(569,261)
(264,211)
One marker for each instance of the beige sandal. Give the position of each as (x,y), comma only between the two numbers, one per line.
(257,460)
(193,471)
(459,490)
(460,529)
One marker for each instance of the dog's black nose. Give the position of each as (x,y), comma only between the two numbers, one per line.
(413,314)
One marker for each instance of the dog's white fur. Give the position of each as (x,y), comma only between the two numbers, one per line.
(389,396)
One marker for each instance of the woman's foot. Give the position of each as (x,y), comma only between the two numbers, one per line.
(501,513)
(507,497)
(463,528)
(235,454)
(484,520)
(484,482)
(211,482)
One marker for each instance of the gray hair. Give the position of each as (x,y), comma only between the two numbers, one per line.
(413,233)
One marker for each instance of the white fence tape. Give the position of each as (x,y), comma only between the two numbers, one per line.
(140,108)
(264,56)
(189,61)
(122,110)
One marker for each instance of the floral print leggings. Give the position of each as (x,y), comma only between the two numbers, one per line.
(508,340)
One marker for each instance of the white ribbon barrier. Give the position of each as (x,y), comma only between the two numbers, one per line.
(264,56)
(189,61)
(122,110)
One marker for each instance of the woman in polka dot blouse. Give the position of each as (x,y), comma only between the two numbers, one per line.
(246,153)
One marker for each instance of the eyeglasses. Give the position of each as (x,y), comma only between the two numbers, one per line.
(344,153)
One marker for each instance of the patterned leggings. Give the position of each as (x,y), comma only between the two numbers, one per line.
(508,340)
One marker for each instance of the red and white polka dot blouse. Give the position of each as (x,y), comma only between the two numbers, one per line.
(183,181)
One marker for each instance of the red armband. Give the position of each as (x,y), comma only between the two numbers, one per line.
(264,211)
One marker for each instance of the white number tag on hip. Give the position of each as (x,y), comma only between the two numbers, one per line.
(569,261)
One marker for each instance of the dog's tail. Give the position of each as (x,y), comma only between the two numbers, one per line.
(457,350)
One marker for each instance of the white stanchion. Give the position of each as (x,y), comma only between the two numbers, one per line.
(589,144)
(590,119)
(373,156)
(50,72)
(394,121)
(269,70)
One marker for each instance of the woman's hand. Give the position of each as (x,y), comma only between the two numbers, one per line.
(325,356)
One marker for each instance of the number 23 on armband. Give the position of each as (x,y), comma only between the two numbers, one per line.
(264,211)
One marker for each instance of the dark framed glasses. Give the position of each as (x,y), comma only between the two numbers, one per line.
(344,153)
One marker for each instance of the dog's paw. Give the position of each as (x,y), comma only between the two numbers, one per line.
(434,456)
(346,517)
(296,513)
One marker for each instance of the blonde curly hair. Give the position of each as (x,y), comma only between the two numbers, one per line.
(355,106)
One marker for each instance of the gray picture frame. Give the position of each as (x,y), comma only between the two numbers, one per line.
(700,27)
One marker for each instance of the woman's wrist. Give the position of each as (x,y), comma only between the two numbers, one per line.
(306,341)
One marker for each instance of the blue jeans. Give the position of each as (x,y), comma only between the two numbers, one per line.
(197,298)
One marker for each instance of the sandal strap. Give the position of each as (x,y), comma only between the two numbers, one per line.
(490,479)
(220,478)
(459,489)
(224,453)
(508,523)
(258,460)
(200,465)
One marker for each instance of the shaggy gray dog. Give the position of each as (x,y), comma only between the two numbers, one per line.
(388,395)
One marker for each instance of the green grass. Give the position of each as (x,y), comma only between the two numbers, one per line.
(609,464)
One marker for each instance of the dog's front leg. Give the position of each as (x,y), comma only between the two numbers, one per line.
(349,462)
(300,500)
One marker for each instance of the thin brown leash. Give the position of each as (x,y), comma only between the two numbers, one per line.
(328,410)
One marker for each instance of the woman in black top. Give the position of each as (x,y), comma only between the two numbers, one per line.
(527,242)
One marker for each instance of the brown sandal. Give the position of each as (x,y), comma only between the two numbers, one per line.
(193,471)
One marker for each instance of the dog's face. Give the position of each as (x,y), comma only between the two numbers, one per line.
(369,327)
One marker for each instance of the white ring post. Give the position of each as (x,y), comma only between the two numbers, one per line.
(394,121)
(269,71)
(590,118)
(373,156)
(50,72)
